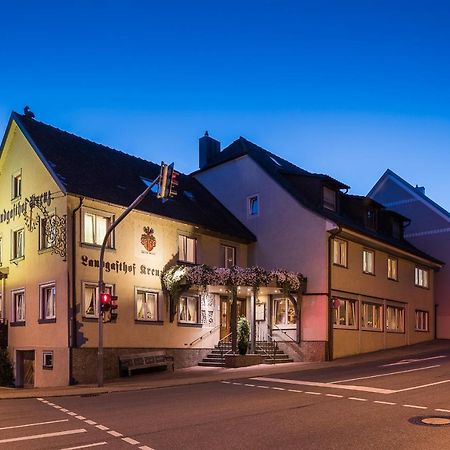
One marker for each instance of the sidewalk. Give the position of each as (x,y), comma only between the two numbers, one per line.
(196,375)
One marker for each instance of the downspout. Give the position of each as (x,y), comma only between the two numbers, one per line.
(329,353)
(73,304)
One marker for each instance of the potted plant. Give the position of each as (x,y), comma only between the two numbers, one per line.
(243,335)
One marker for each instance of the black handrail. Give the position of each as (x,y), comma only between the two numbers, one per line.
(202,336)
(284,332)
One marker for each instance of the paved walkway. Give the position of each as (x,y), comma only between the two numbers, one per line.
(194,375)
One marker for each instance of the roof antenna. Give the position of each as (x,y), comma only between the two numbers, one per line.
(206,133)
(28,113)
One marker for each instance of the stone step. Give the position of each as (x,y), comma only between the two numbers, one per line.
(211,364)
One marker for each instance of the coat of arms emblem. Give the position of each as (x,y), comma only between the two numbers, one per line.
(148,240)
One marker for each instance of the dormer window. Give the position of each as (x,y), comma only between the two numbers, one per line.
(371,219)
(396,229)
(329,198)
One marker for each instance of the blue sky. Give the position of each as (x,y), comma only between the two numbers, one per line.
(347,88)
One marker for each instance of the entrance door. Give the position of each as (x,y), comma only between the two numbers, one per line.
(25,368)
(225,314)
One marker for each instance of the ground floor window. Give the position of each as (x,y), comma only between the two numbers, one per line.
(146,305)
(188,310)
(47,360)
(90,291)
(283,312)
(395,319)
(422,320)
(47,302)
(371,317)
(345,313)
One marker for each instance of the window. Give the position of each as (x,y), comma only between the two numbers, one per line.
(18,306)
(1,251)
(421,277)
(371,316)
(329,199)
(187,249)
(90,291)
(47,360)
(345,313)
(422,320)
(2,313)
(392,268)
(146,305)
(340,252)
(188,310)
(229,256)
(16,185)
(283,312)
(369,262)
(18,244)
(46,233)
(371,218)
(253,205)
(395,319)
(396,229)
(48,302)
(95,226)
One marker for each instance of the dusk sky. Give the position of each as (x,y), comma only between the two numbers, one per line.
(347,88)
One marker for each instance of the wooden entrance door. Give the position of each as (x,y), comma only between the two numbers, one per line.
(225,314)
(26,364)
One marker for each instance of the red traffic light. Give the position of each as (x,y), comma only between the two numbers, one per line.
(105,301)
(173,183)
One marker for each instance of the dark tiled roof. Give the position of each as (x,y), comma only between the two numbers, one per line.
(88,169)
(306,188)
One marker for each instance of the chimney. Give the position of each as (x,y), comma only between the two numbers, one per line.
(208,148)
(420,189)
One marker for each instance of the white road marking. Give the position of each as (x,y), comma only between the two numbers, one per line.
(101,427)
(226,382)
(34,424)
(443,410)
(415,406)
(384,403)
(115,433)
(64,410)
(96,444)
(312,393)
(358,399)
(238,384)
(144,447)
(327,385)
(130,441)
(423,385)
(50,404)
(386,374)
(277,389)
(80,417)
(71,413)
(90,422)
(42,436)
(293,390)
(263,387)
(334,395)
(57,407)
(409,361)
(249,385)
(39,398)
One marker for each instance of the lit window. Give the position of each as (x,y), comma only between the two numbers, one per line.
(95,226)
(329,199)
(47,360)
(1,251)
(253,205)
(345,313)
(16,185)
(371,317)
(422,320)
(48,302)
(392,268)
(395,319)
(146,305)
(90,295)
(17,249)
(187,249)
(229,256)
(188,310)
(18,306)
(47,233)
(283,312)
(421,277)
(340,252)
(369,262)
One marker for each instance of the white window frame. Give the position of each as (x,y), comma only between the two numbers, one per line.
(422,320)
(329,197)
(88,284)
(183,250)
(16,189)
(45,363)
(340,252)
(14,244)
(350,308)
(395,318)
(97,240)
(284,324)
(147,293)
(366,306)
(44,242)
(42,305)
(421,277)
(251,199)
(392,268)
(14,307)
(188,299)
(226,249)
(367,261)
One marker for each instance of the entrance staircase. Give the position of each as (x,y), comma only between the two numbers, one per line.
(272,354)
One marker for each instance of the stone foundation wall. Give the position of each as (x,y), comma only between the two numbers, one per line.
(305,351)
(85,361)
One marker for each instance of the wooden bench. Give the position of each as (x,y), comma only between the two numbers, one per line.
(145,360)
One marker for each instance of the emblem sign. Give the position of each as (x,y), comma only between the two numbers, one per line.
(148,240)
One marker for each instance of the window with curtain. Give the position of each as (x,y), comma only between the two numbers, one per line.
(395,319)
(187,249)
(422,320)
(95,225)
(345,315)
(392,268)
(146,305)
(421,277)
(371,317)
(229,256)
(283,312)
(48,302)
(369,262)
(188,310)
(18,300)
(340,252)
(90,291)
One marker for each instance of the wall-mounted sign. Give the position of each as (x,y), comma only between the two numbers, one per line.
(148,240)
(121,267)
(20,207)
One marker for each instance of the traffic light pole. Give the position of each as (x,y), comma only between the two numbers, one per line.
(100,277)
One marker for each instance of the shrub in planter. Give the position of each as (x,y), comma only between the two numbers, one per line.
(243,335)
(6,369)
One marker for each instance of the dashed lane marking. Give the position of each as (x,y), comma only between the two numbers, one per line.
(249,385)
(384,403)
(145,447)
(334,395)
(415,406)
(80,417)
(294,390)
(312,393)
(95,444)
(35,424)
(130,441)
(90,422)
(443,410)
(101,427)
(358,399)
(114,433)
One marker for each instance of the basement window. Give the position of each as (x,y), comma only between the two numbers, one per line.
(47,360)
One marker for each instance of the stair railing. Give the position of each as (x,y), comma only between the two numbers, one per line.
(284,332)
(270,339)
(203,336)
(224,340)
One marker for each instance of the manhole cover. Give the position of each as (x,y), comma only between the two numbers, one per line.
(431,421)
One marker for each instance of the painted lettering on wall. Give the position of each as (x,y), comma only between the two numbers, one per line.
(120,267)
(20,208)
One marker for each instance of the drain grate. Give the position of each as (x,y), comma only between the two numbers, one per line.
(430,421)
(89,395)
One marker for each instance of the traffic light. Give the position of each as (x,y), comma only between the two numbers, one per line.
(105,301)
(168,181)
(114,305)
(173,183)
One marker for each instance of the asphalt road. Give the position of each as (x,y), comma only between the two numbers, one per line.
(375,405)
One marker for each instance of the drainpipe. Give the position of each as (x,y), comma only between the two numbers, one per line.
(73,304)
(333,234)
